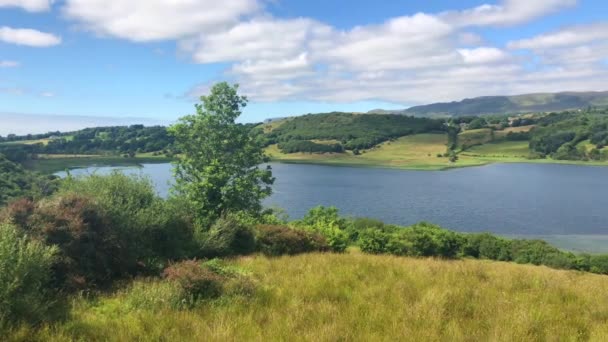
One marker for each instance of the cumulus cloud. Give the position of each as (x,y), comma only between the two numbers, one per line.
(417,58)
(565,37)
(9,64)
(154,20)
(28,37)
(509,12)
(28,5)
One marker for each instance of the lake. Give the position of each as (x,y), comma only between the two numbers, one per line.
(565,204)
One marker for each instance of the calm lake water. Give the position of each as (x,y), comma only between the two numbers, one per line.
(508,199)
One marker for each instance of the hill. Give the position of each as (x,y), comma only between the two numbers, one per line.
(353,296)
(490,105)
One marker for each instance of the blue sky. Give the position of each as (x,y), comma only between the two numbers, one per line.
(151,59)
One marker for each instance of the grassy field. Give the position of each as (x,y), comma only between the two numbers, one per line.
(59,162)
(419,152)
(357,297)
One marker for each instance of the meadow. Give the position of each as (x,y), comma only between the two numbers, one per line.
(353,296)
(419,152)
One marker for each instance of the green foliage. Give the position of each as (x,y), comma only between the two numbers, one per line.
(373,241)
(25,273)
(16,182)
(321,215)
(327,222)
(276,240)
(354,131)
(228,236)
(151,228)
(218,168)
(478,123)
(294,146)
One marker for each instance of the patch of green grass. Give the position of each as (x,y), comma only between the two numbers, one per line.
(419,152)
(329,297)
(56,163)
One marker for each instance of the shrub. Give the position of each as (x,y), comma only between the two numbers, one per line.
(25,273)
(277,240)
(152,228)
(228,236)
(327,222)
(373,241)
(90,254)
(486,246)
(197,281)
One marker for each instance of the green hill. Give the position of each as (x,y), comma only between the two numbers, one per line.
(528,103)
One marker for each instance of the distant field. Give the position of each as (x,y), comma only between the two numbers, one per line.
(411,152)
(475,137)
(357,297)
(419,152)
(503,133)
(61,162)
(506,149)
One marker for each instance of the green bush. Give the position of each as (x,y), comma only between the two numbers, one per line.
(228,236)
(25,273)
(277,240)
(152,228)
(327,222)
(374,241)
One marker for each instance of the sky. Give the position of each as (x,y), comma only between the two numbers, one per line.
(73,62)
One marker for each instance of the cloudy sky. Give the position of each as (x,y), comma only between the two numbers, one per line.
(152,58)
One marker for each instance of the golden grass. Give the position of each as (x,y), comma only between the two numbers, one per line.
(503,133)
(357,297)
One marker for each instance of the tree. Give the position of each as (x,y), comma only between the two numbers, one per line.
(218,169)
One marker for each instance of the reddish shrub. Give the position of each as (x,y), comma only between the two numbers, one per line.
(196,280)
(91,252)
(280,240)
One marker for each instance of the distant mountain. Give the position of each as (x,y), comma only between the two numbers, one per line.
(488,105)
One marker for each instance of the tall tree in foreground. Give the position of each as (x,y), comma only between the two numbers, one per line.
(218,169)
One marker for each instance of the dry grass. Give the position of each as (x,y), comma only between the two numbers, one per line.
(356,297)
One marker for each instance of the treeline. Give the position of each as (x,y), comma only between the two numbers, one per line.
(559,135)
(353,131)
(98,140)
(294,146)
(428,240)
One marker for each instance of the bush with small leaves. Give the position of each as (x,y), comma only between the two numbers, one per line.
(277,240)
(228,236)
(25,274)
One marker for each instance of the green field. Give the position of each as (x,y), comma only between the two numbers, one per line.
(348,297)
(56,163)
(419,152)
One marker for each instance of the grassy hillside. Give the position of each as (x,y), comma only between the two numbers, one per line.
(329,297)
(418,152)
(489,105)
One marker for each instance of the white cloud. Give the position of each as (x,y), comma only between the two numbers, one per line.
(509,12)
(9,64)
(47,94)
(153,20)
(416,58)
(28,37)
(566,37)
(264,38)
(28,5)
(482,55)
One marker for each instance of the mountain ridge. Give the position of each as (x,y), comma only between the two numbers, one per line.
(513,104)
